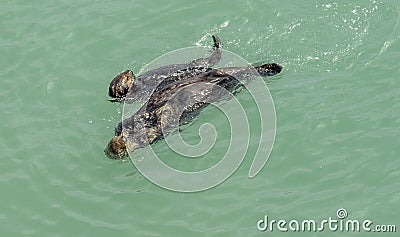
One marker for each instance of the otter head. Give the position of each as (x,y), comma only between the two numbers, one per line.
(116,148)
(119,147)
(121,84)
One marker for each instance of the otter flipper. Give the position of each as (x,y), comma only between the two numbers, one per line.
(213,59)
(269,69)
(217,42)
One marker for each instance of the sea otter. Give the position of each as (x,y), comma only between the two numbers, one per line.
(126,88)
(175,101)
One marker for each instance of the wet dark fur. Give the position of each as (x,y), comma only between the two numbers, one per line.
(139,88)
(174,100)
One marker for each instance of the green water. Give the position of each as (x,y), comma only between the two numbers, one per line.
(337,104)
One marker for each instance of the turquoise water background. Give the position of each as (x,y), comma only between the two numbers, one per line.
(337,104)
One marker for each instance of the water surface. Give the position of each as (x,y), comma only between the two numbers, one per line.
(337,106)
